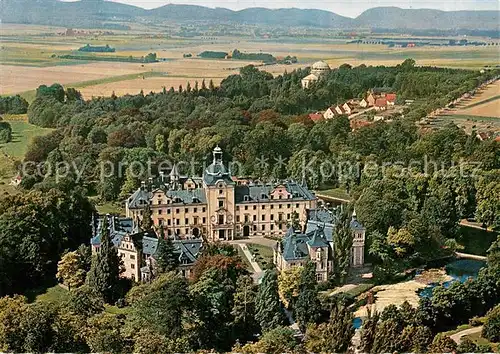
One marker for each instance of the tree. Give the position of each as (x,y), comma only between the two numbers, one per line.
(275,341)
(387,337)
(243,312)
(147,219)
(467,346)
(69,270)
(162,306)
(442,344)
(491,329)
(368,332)
(289,285)
(342,246)
(308,307)
(166,258)
(335,336)
(104,274)
(103,334)
(84,301)
(12,311)
(269,313)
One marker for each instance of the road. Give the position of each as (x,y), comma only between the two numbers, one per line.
(257,270)
(457,337)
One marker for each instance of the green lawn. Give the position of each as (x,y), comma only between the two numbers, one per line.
(22,134)
(475,241)
(54,295)
(360,289)
(110,208)
(263,254)
(337,193)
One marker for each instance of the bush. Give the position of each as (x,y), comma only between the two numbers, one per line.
(5,132)
(443,344)
(491,329)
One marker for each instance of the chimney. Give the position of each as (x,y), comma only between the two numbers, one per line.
(143,186)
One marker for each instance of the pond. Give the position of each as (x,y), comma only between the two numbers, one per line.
(460,270)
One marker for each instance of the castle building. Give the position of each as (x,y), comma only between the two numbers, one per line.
(316,244)
(217,206)
(319,68)
(138,249)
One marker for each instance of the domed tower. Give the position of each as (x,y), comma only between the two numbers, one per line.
(319,68)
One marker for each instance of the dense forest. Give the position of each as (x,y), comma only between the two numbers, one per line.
(410,189)
(410,186)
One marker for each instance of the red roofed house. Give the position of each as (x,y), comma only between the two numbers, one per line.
(381,104)
(391,99)
(358,123)
(316,116)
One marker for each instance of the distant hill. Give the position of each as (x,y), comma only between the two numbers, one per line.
(95,13)
(396,18)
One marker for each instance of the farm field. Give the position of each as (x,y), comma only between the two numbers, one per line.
(480,112)
(29,57)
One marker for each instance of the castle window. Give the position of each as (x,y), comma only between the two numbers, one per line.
(203,220)
(264,217)
(272,206)
(246,198)
(246,207)
(263,207)
(237,208)
(255,228)
(159,211)
(132,256)
(221,191)
(132,266)
(263,227)
(272,226)
(177,221)
(221,203)
(288,206)
(195,210)
(254,207)
(296,205)
(168,222)
(203,209)
(177,211)
(279,206)
(288,216)
(272,217)
(255,218)
(186,221)
(237,218)
(186,210)
(221,219)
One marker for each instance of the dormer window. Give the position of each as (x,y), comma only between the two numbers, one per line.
(246,198)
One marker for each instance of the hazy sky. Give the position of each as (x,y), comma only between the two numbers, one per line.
(342,7)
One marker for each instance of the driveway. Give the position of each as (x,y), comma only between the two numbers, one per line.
(457,337)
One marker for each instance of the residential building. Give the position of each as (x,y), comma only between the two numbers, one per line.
(364,103)
(381,104)
(330,113)
(316,244)
(316,117)
(371,99)
(391,98)
(138,249)
(348,108)
(217,206)
(339,110)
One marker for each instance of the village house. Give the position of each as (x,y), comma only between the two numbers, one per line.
(381,104)
(315,117)
(363,103)
(371,99)
(330,113)
(339,110)
(316,244)
(217,208)
(391,99)
(348,108)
